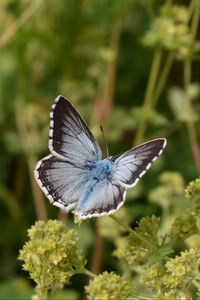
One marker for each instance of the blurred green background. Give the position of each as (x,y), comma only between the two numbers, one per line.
(131,65)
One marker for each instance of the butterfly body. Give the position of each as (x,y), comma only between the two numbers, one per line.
(103,169)
(75,175)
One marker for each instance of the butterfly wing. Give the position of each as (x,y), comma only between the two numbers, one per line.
(60,181)
(63,174)
(100,198)
(133,164)
(70,139)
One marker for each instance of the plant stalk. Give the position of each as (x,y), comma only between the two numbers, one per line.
(149,93)
(163,78)
(89,273)
(187,81)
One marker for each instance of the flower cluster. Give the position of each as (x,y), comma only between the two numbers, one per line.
(51,255)
(152,276)
(171,30)
(184,225)
(172,276)
(192,191)
(183,269)
(108,286)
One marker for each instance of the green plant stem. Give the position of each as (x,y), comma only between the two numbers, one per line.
(192,8)
(42,293)
(133,232)
(89,273)
(111,74)
(150,9)
(163,77)
(190,124)
(196,284)
(121,224)
(187,81)
(23,133)
(195,20)
(21,21)
(149,93)
(136,296)
(98,251)
(37,194)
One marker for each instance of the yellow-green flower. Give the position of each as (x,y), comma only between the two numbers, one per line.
(51,256)
(153,275)
(184,225)
(171,30)
(108,286)
(192,191)
(182,269)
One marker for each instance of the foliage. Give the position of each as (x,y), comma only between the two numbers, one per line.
(132,66)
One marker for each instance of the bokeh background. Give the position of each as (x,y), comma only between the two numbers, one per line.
(132,66)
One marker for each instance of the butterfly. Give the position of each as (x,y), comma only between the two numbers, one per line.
(75,174)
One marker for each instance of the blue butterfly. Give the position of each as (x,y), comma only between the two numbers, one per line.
(75,173)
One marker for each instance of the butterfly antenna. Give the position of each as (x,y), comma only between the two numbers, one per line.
(107,152)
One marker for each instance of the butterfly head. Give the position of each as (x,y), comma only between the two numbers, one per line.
(102,169)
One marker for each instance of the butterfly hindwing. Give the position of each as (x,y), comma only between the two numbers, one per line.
(100,198)
(61,182)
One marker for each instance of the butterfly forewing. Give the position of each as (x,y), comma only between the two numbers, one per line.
(70,139)
(133,164)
